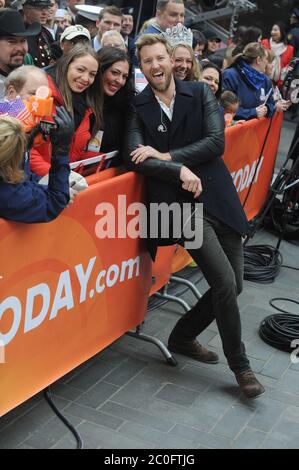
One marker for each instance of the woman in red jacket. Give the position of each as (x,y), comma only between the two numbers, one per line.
(283,52)
(76,83)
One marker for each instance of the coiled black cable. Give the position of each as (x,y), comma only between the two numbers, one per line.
(262,263)
(280,330)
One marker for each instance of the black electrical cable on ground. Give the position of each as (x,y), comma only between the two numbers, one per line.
(63,418)
(280,330)
(262,263)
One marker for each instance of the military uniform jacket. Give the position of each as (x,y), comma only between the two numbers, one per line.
(40,48)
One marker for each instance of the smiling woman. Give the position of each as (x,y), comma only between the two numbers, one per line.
(118,94)
(184,63)
(76,83)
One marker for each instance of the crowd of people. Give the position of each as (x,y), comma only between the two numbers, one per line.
(86,58)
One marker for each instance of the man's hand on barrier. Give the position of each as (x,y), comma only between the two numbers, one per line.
(191,182)
(145,151)
(261,111)
(61,137)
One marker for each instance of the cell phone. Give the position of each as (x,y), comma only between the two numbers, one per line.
(46,126)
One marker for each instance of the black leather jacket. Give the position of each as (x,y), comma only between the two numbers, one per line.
(194,138)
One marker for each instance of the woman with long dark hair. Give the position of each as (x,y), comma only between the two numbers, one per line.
(211,74)
(76,83)
(118,94)
(278,43)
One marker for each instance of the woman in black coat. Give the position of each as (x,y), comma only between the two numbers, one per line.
(118,95)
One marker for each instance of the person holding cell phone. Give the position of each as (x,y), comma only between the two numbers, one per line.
(247,78)
(22,199)
(75,82)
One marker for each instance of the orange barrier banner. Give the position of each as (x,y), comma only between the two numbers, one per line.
(65,293)
(251,170)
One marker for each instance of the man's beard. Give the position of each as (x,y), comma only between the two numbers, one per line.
(163,86)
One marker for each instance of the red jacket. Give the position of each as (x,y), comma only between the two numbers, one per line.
(285,58)
(40,157)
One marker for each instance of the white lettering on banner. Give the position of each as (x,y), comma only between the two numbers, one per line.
(244,176)
(63,296)
(84,277)
(130,265)
(13,304)
(64,284)
(44,291)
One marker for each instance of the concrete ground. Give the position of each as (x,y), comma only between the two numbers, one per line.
(127,397)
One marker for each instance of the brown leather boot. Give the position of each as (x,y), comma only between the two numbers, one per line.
(249,384)
(192,349)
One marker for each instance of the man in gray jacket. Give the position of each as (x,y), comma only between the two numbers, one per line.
(176,139)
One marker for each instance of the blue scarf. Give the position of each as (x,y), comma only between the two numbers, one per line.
(255,78)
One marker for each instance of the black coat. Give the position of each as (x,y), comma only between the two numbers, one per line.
(195,138)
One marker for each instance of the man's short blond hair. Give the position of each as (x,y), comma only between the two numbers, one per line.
(150,40)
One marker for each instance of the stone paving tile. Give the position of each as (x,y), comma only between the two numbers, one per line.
(29,423)
(94,416)
(277,365)
(130,414)
(194,417)
(67,442)
(216,401)
(249,439)
(212,374)
(111,355)
(47,436)
(289,382)
(89,376)
(197,438)
(19,411)
(97,395)
(284,397)
(177,395)
(24,447)
(62,390)
(76,372)
(256,365)
(232,422)
(159,439)
(95,437)
(285,433)
(259,350)
(125,372)
(180,377)
(267,414)
(138,391)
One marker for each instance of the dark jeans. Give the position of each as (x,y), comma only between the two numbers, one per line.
(221,260)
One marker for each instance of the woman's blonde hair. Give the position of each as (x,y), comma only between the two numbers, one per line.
(194,73)
(12,149)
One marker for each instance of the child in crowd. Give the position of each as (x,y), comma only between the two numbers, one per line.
(21,198)
(230,104)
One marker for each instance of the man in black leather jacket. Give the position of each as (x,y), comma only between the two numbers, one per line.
(176,139)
